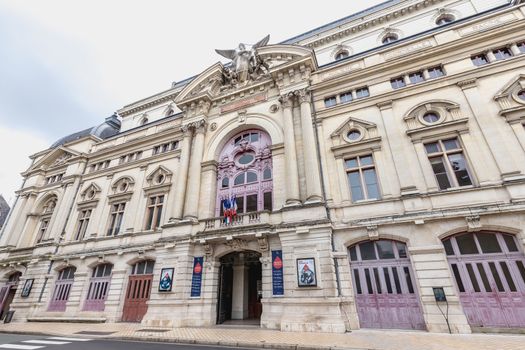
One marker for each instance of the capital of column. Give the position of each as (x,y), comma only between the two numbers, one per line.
(303,95)
(286,100)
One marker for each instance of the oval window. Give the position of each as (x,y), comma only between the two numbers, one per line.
(431,117)
(390,38)
(521,95)
(246,158)
(354,135)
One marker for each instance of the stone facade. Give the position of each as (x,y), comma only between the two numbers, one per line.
(412,141)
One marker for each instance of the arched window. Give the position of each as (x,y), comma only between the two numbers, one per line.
(45,218)
(98,288)
(245,174)
(144,267)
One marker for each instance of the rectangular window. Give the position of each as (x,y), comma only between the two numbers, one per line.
(448,163)
(115,218)
(502,53)
(346,97)
(479,60)
(416,77)
(83,221)
(398,83)
(362,178)
(165,147)
(362,92)
(521,46)
(330,101)
(251,203)
(154,212)
(268,203)
(436,72)
(42,230)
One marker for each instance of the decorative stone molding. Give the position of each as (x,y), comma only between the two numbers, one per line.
(90,193)
(512,107)
(263,243)
(388,31)
(473,223)
(373,232)
(159,181)
(368,138)
(442,12)
(286,100)
(340,48)
(303,95)
(468,84)
(449,114)
(236,244)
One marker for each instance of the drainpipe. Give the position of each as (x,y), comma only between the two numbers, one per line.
(57,245)
(323,189)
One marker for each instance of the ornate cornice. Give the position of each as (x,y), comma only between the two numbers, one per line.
(363,25)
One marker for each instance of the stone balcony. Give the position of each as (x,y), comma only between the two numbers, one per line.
(254,218)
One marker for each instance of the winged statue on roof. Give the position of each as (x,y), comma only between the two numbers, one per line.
(246,63)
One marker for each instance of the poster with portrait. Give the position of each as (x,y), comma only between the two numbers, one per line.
(28,285)
(306,273)
(166,279)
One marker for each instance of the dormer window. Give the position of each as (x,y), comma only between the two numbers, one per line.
(445,19)
(341,54)
(390,38)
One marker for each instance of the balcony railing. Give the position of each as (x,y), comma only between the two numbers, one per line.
(252,218)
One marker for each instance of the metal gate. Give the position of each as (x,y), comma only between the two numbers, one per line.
(489,270)
(384,286)
(137,295)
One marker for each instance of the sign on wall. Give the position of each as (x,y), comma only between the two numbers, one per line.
(196,280)
(306,273)
(166,279)
(28,285)
(277,272)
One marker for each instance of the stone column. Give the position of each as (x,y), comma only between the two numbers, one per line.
(191,207)
(182,177)
(290,155)
(311,161)
(13,224)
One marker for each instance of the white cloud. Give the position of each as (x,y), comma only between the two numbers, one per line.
(16,147)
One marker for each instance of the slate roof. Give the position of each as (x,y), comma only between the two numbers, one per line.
(110,127)
(4,210)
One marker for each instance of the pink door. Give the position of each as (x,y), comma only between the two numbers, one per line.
(489,271)
(98,288)
(384,286)
(62,289)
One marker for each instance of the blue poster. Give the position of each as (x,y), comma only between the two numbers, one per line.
(277,272)
(196,280)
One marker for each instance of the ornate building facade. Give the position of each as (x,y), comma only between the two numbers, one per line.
(367,174)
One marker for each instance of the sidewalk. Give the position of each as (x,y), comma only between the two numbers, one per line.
(269,339)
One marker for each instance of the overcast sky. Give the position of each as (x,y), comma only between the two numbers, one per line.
(66,65)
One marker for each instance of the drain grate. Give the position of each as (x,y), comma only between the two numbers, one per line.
(94,333)
(153,330)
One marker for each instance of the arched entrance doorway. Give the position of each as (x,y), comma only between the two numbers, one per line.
(240,288)
(489,270)
(385,292)
(138,291)
(8,292)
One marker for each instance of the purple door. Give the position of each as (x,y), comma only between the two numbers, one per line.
(384,286)
(489,270)
(98,288)
(62,289)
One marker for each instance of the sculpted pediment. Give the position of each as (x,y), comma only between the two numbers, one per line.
(511,99)
(251,64)
(362,130)
(57,157)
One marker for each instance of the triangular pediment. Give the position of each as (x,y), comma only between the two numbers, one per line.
(515,85)
(55,158)
(205,85)
(350,123)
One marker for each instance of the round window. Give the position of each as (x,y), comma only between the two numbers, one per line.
(431,117)
(246,158)
(123,187)
(91,194)
(354,135)
(521,95)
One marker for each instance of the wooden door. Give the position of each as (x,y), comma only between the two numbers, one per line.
(384,287)
(60,295)
(97,293)
(137,296)
(489,271)
(4,293)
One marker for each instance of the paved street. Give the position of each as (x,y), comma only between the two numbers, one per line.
(28,342)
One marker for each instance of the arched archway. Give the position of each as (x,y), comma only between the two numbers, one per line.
(8,291)
(240,288)
(384,285)
(489,271)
